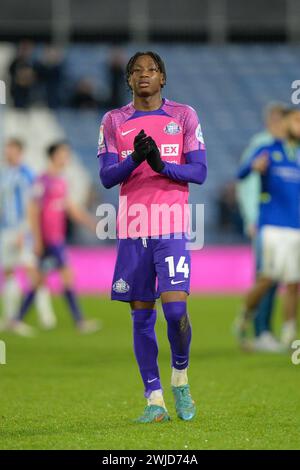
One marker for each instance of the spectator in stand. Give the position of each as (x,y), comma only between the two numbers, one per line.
(84,96)
(50,74)
(22,76)
(116,79)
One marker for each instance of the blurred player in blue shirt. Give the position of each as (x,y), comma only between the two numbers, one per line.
(248,197)
(279,223)
(16,180)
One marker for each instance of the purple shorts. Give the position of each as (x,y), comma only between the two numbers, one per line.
(146,267)
(54,257)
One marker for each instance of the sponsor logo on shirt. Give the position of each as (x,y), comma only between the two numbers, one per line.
(169,150)
(121,286)
(125,153)
(199,135)
(172,128)
(166,150)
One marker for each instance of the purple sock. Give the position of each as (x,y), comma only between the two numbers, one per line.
(145,348)
(179,333)
(26,304)
(72,301)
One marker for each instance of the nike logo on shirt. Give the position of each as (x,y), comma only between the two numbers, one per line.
(127,132)
(176,282)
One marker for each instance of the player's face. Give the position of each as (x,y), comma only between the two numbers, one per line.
(275,123)
(13,154)
(146,78)
(294,125)
(61,157)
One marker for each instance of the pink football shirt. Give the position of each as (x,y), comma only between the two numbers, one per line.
(51,193)
(177,132)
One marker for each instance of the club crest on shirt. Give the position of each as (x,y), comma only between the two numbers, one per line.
(277,156)
(172,128)
(101,138)
(121,286)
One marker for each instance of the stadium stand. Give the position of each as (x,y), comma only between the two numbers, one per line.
(228,86)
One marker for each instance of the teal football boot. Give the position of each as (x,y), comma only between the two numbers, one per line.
(153,414)
(184,404)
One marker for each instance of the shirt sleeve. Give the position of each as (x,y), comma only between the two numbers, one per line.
(112,172)
(193,141)
(107,141)
(246,168)
(29,175)
(195,168)
(248,190)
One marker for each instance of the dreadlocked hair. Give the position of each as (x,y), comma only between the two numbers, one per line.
(157,59)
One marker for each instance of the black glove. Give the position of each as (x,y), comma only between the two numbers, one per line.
(141,147)
(154,158)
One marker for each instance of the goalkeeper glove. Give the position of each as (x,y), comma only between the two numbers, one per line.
(141,147)
(154,158)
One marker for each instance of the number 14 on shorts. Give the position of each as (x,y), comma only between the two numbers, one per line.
(182,266)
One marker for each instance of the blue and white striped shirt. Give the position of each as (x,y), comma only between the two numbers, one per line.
(15,188)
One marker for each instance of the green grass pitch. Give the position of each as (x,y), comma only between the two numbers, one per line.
(65,391)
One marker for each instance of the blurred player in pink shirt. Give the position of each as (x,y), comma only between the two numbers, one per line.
(153,148)
(47,211)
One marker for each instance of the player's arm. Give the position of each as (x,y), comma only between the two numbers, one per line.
(248,192)
(259,162)
(113,171)
(33,210)
(195,168)
(28,179)
(81,216)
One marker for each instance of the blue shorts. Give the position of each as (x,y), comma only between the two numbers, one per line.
(53,257)
(146,267)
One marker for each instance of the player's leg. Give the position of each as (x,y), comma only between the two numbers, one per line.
(269,272)
(264,339)
(134,282)
(172,262)
(11,294)
(11,291)
(290,307)
(84,326)
(43,303)
(249,308)
(42,299)
(291,279)
(146,352)
(17,324)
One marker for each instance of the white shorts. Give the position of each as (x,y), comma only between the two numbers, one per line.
(11,255)
(280,254)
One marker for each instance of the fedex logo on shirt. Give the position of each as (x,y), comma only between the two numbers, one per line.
(166,150)
(169,150)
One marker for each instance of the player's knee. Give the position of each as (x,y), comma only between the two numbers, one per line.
(143,320)
(176,313)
